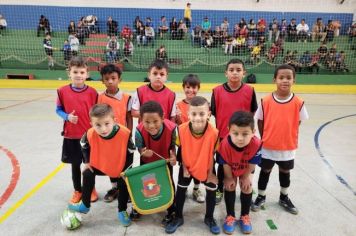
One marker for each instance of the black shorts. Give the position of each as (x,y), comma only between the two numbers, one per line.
(49,52)
(268,164)
(71,151)
(187,22)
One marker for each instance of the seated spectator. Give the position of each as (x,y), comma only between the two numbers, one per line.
(280,45)
(305,60)
(196,36)
(243,32)
(3,24)
(292,31)
(136,24)
(302,31)
(283,29)
(206,25)
(291,59)
(126,33)
(72,28)
(161,53)
(182,29)
(262,43)
(330,31)
(92,23)
(333,48)
(128,47)
(82,28)
(240,44)
(273,30)
(112,50)
(272,53)
(43,25)
(207,41)
(330,61)
(251,43)
(225,26)
(229,44)
(252,28)
(322,51)
(341,63)
(318,30)
(163,27)
(314,63)
(256,54)
(261,27)
(352,32)
(337,26)
(217,37)
(67,53)
(74,44)
(148,22)
(112,27)
(173,27)
(149,35)
(236,32)
(140,34)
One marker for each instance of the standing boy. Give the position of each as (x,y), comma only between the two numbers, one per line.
(73,104)
(279,116)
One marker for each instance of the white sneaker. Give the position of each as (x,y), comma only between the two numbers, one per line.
(198,196)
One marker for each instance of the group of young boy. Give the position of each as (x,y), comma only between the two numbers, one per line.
(97,131)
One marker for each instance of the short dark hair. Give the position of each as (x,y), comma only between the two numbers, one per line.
(78,62)
(110,68)
(282,67)
(192,80)
(151,107)
(242,119)
(159,64)
(235,61)
(101,110)
(198,101)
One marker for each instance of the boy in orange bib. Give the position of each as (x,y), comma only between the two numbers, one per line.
(279,116)
(197,141)
(108,150)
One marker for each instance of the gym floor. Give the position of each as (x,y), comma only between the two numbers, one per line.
(35,186)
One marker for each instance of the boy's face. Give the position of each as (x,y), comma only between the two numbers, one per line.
(190,91)
(152,122)
(103,125)
(284,80)
(157,77)
(241,136)
(199,116)
(78,75)
(111,81)
(235,73)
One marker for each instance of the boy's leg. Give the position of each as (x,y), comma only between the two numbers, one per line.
(230,220)
(197,194)
(246,199)
(112,193)
(209,219)
(284,180)
(122,203)
(220,175)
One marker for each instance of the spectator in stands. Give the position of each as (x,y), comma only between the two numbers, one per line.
(161,53)
(322,51)
(43,25)
(272,53)
(188,15)
(126,32)
(136,24)
(352,32)
(112,27)
(292,31)
(229,44)
(112,50)
(252,28)
(256,54)
(128,47)
(262,43)
(283,29)
(302,31)
(82,29)
(67,53)
(163,27)
(273,30)
(243,32)
(318,30)
(333,48)
(47,45)
(3,24)
(72,28)
(92,23)
(217,37)
(305,60)
(330,31)
(182,29)
(236,32)
(251,43)
(225,26)
(261,27)
(140,34)
(173,27)
(207,40)
(314,63)
(291,59)
(240,44)
(196,37)
(149,22)
(341,63)
(206,25)
(74,44)
(149,35)
(330,61)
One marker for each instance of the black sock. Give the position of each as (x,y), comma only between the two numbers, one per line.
(284,179)
(180,199)
(230,197)
(220,178)
(263,180)
(210,203)
(245,203)
(77,177)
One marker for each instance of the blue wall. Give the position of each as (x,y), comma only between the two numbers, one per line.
(26,17)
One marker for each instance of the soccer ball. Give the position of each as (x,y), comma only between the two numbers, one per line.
(70,219)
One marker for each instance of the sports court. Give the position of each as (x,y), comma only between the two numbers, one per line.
(41,185)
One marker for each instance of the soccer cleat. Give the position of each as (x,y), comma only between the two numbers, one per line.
(94,196)
(285,202)
(213,226)
(174,224)
(198,196)
(219,197)
(167,219)
(229,225)
(79,207)
(124,218)
(259,203)
(245,224)
(111,195)
(134,215)
(76,197)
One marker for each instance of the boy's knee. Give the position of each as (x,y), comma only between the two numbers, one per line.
(88,174)
(284,170)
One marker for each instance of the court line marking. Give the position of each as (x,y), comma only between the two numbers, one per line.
(14,176)
(29,194)
(24,102)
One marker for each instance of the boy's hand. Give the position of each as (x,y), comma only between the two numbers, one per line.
(172,158)
(245,183)
(72,118)
(87,166)
(185,172)
(212,178)
(146,152)
(229,184)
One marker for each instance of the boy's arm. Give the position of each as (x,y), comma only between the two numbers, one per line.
(61,113)
(212,105)
(129,121)
(85,146)
(229,180)
(260,127)
(135,109)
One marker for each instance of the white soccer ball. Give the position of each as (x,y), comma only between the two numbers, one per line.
(70,219)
